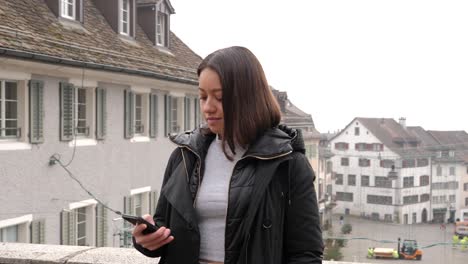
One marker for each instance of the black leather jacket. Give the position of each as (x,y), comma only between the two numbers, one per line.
(272,212)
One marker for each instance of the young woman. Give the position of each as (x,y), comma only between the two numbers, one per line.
(240,189)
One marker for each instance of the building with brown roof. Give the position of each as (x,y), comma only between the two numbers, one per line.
(94,86)
(386,170)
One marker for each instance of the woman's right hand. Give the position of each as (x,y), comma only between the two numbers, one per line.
(153,240)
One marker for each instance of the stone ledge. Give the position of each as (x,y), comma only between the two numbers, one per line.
(19,253)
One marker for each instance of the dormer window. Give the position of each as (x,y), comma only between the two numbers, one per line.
(154,18)
(161,29)
(68,9)
(125,17)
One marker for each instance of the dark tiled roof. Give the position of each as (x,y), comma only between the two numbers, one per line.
(30,26)
(452,140)
(295,117)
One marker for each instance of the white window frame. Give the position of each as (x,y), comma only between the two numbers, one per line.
(142,109)
(122,10)
(87,107)
(90,222)
(144,195)
(175,123)
(23,223)
(3,101)
(64,8)
(161,24)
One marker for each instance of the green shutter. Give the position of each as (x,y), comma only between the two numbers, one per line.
(167,114)
(153,202)
(101,226)
(153,115)
(127,227)
(196,111)
(65,228)
(187,114)
(129,114)
(36,111)
(72,228)
(101,114)
(67,93)
(38,231)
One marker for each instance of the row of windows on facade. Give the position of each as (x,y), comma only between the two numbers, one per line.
(360,146)
(387,163)
(124,16)
(381,199)
(381,181)
(83,226)
(80,116)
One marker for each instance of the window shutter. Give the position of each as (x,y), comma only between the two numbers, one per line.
(129,114)
(65,227)
(66,111)
(153,115)
(36,111)
(38,231)
(187,114)
(101,113)
(153,202)
(72,228)
(101,227)
(196,111)
(167,114)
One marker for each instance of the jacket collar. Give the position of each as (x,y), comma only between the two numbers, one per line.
(275,142)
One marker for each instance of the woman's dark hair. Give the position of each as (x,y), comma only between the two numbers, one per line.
(249,106)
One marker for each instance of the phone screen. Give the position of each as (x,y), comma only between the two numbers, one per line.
(136,220)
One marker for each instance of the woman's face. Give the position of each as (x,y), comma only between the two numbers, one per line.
(211,98)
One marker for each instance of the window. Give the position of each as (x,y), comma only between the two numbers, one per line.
(68,8)
(339,179)
(364,180)
(311,151)
(80,106)
(364,162)
(341,146)
(141,201)
(356,131)
(408,182)
(383,182)
(140,114)
(410,199)
(173,114)
(161,29)
(352,180)
(424,197)
(452,185)
(125,17)
(424,180)
(329,167)
(139,122)
(378,199)
(439,170)
(79,224)
(386,163)
(344,196)
(452,198)
(422,162)
(378,147)
(465,187)
(344,161)
(408,163)
(360,146)
(466,201)
(452,171)
(175,128)
(9,234)
(9,99)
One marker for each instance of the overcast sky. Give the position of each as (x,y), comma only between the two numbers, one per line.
(342,59)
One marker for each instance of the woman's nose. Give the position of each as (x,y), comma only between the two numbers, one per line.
(209,106)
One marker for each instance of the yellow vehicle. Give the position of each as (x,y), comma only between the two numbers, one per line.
(409,250)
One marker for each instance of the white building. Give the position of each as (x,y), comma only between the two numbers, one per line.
(380,173)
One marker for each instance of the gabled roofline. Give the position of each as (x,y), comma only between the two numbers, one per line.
(346,127)
(25,55)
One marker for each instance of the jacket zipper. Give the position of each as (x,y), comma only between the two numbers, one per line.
(199,172)
(229,191)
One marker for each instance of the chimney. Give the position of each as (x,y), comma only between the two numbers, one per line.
(402,122)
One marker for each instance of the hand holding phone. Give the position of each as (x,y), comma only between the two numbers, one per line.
(153,236)
(137,220)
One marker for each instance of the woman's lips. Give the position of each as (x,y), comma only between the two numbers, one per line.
(213,120)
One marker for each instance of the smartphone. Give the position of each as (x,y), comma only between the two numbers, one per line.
(136,220)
